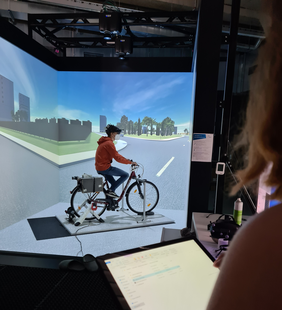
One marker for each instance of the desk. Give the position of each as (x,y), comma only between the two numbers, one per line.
(200,222)
(33,281)
(170,234)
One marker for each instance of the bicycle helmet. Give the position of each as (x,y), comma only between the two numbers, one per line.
(112,128)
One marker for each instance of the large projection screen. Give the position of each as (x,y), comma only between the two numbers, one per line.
(50,122)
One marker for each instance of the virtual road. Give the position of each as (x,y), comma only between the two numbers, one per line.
(166,164)
(33,178)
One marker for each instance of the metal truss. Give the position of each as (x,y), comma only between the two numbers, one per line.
(49,27)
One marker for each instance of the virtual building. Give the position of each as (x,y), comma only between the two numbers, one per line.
(24,105)
(6,99)
(103,123)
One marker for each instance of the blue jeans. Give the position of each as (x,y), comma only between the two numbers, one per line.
(113,171)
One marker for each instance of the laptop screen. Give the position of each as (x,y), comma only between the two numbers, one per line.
(179,275)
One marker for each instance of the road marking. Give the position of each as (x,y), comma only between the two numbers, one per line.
(164,167)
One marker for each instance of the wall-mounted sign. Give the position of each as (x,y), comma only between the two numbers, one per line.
(202,147)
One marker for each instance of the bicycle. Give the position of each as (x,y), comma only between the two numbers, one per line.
(96,203)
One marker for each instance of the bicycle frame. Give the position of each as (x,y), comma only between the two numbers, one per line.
(91,202)
(131,176)
(109,201)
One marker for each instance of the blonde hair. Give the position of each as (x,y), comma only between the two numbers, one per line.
(262,132)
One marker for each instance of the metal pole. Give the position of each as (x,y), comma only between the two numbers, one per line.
(205,68)
(122,201)
(227,101)
(144,202)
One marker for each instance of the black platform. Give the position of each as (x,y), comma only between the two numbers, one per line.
(47,228)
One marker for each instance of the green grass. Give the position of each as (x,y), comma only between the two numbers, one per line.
(154,137)
(71,147)
(58,148)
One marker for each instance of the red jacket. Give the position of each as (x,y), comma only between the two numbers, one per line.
(106,151)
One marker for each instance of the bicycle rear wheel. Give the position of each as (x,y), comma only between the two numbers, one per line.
(135,196)
(81,201)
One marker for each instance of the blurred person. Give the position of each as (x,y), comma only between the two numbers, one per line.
(105,154)
(250,271)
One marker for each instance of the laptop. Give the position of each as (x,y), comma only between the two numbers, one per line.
(176,274)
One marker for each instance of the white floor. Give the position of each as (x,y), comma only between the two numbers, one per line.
(114,221)
(19,237)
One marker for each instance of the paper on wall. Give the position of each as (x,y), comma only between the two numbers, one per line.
(202,147)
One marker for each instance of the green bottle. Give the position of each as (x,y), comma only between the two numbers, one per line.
(238,211)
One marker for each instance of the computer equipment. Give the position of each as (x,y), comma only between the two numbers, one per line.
(176,274)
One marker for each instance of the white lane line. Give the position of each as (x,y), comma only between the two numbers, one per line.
(164,167)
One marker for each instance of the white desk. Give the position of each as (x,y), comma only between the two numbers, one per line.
(200,222)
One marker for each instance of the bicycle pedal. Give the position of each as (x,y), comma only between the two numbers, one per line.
(113,208)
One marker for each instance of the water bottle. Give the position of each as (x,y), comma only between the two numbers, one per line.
(238,211)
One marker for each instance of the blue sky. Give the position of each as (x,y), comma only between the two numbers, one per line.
(87,95)
(30,77)
(136,95)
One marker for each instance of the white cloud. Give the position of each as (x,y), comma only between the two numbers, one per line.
(95,129)
(182,127)
(63,111)
(143,94)
(183,124)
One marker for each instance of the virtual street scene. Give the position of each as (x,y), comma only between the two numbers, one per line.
(50,123)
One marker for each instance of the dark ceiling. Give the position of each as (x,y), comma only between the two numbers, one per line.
(150,28)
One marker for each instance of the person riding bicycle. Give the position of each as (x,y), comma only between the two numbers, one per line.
(105,153)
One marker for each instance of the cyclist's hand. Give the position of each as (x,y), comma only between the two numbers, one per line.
(134,163)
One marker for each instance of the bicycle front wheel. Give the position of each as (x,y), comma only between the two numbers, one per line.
(135,196)
(81,201)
